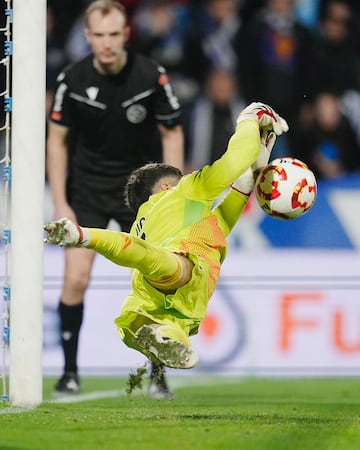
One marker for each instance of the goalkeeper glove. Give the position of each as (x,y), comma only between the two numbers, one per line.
(266,117)
(267,143)
(245,183)
(65,233)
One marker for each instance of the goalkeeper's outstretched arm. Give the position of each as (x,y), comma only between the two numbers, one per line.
(270,126)
(256,129)
(232,206)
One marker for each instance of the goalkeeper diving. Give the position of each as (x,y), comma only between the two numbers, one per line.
(178,241)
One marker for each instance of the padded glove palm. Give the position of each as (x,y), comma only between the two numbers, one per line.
(267,118)
(64,232)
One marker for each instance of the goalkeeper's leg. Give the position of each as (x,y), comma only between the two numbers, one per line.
(163,269)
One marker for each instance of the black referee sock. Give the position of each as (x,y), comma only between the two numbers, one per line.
(70,322)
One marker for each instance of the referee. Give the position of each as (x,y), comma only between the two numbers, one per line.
(112,112)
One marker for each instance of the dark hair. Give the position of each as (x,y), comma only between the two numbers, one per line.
(141,182)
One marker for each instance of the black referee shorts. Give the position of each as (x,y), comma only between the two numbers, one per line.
(96,209)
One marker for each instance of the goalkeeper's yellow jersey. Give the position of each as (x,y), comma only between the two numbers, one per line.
(183,220)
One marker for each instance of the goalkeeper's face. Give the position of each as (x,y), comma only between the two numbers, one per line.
(107,35)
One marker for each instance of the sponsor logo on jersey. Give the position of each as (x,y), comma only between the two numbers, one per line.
(92,92)
(136,113)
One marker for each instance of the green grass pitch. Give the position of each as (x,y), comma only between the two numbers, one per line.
(208,412)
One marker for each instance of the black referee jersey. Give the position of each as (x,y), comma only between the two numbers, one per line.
(113,119)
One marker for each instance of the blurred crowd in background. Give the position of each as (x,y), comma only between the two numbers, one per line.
(302,57)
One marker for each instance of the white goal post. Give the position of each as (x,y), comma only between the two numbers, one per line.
(27,201)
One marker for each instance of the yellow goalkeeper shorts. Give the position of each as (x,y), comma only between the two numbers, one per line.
(185,309)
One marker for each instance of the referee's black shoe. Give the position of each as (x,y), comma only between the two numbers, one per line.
(68,384)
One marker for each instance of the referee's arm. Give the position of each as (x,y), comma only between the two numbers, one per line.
(57,167)
(173,145)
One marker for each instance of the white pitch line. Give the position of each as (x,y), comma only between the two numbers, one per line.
(97,395)
(176,383)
